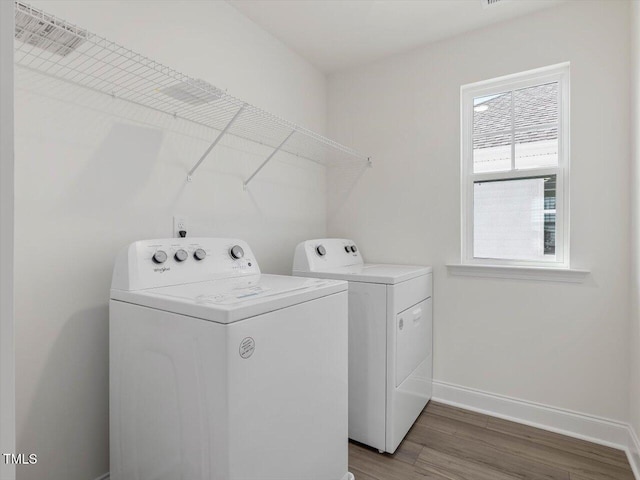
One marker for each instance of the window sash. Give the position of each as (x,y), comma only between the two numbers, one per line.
(541,126)
(561,251)
(514,174)
(559,74)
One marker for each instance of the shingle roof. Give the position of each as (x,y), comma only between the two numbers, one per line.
(532,106)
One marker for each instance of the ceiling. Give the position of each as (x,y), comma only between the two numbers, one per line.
(337,34)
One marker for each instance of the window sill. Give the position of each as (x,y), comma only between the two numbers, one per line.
(550,274)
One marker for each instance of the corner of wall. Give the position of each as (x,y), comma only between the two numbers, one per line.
(7,353)
(634,320)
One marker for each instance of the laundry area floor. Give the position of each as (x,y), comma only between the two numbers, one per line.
(455,444)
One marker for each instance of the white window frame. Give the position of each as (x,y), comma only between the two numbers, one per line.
(555,73)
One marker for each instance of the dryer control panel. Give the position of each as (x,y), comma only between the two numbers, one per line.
(326,253)
(173,261)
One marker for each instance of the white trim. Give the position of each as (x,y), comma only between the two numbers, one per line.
(555,73)
(518,80)
(7,355)
(570,275)
(633,452)
(603,431)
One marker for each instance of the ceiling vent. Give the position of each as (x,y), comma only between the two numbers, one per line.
(492,3)
(46,32)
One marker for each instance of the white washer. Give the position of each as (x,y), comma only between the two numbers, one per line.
(220,373)
(390,338)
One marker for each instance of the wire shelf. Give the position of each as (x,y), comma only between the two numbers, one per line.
(52,46)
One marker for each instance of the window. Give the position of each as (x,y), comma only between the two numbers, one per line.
(515,169)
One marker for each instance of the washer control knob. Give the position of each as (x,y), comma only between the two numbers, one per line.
(159,257)
(199,254)
(347,249)
(321,251)
(181,255)
(354,249)
(236,252)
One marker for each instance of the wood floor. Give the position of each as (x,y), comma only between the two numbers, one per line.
(448,443)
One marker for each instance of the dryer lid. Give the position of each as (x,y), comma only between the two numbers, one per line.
(340,258)
(371,273)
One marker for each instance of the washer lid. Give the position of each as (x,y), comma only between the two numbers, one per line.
(370,273)
(232,299)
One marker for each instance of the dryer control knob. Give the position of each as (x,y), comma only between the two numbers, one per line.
(159,257)
(354,249)
(199,254)
(236,252)
(347,248)
(181,255)
(321,251)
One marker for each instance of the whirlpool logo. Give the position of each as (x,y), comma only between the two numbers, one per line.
(161,269)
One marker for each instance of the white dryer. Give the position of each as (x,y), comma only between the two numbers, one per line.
(390,338)
(218,372)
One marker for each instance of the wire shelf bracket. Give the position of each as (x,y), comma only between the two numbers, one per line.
(271,155)
(65,52)
(215,142)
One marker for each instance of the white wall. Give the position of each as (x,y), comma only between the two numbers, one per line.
(563,345)
(93,174)
(7,357)
(634,336)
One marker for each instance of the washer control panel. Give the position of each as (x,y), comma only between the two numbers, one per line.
(163,262)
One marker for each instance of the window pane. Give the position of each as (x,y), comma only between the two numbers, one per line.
(536,105)
(491,145)
(550,217)
(492,153)
(492,114)
(515,219)
(537,148)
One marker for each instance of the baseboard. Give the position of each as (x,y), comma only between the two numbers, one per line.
(103,477)
(633,452)
(594,429)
